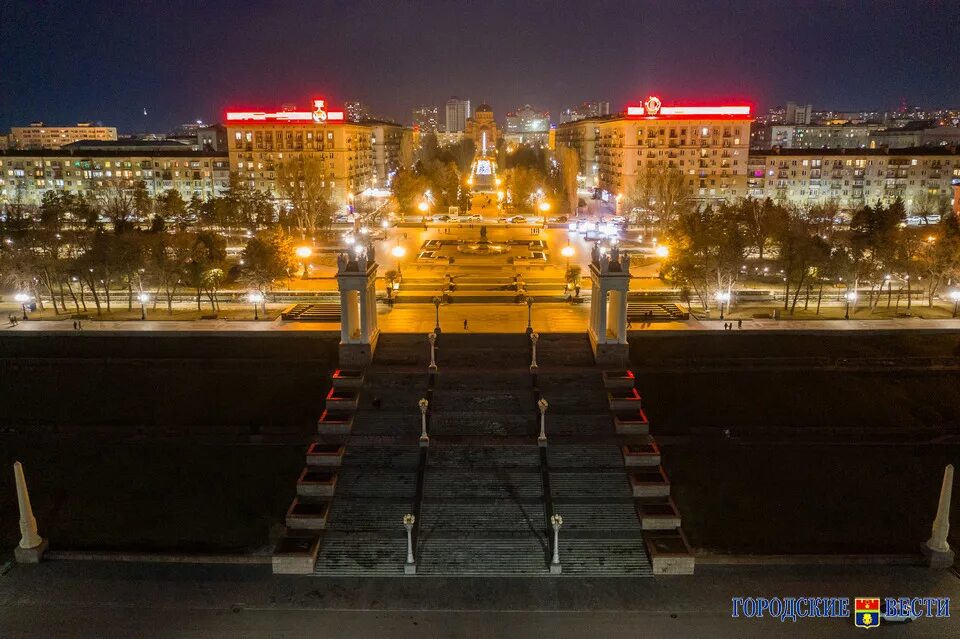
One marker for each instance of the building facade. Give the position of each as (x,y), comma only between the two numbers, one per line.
(355,110)
(526,125)
(852,178)
(457,113)
(27,174)
(708,145)
(426,120)
(482,129)
(352,157)
(585,110)
(40,136)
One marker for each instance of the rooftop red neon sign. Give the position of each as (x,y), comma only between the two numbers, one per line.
(652,108)
(319,115)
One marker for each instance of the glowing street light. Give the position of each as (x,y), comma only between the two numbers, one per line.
(23,298)
(303,252)
(662,250)
(567,251)
(955,296)
(255,298)
(144,298)
(851,296)
(723,297)
(398,252)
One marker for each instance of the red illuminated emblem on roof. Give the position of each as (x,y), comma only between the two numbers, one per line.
(319,115)
(653,108)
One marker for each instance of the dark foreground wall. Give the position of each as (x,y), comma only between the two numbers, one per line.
(156,384)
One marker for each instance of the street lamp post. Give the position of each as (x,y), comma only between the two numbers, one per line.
(433,362)
(411,566)
(436,304)
(398,252)
(255,298)
(533,340)
(542,438)
(144,298)
(723,298)
(23,298)
(955,296)
(529,315)
(567,251)
(304,252)
(424,437)
(851,296)
(556,521)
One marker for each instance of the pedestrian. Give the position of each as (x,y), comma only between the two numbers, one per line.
(74,326)
(629,324)
(739,324)
(80,326)
(376,403)
(464,324)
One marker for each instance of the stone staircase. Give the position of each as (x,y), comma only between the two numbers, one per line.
(483,491)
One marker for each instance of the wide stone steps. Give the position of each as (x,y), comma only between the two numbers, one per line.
(584,456)
(590,484)
(564,349)
(592,425)
(458,379)
(463,485)
(598,515)
(348,514)
(485,401)
(370,482)
(464,423)
(393,424)
(382,457)
(484,457)
(487,516)
(483,555)
(604,557)
(353,553)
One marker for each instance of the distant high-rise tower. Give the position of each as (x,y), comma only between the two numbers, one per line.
(425,118)
(797,113)
(356,111)
(458,112)
(585,110)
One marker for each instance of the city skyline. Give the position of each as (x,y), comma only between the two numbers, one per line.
(142,57)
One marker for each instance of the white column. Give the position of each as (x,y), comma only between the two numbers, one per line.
(363,297)
(433,362)
(354,314)
(556,521)
(29,535)
(533,340)
(941,524)
(345,316)
(602,317)
(424,437)
(622,318)
(542,438)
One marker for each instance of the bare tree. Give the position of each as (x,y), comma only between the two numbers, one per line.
(307,190)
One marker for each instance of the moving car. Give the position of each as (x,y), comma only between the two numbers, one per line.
(517,219)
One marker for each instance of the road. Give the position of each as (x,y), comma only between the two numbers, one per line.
(95,599)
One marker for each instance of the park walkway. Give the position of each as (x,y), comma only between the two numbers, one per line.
(481,318)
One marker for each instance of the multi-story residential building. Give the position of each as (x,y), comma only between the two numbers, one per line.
(259,142)
(526,125)
(355,110)
(854,136)
(393,147)
(852,178)
(426,120)
(585,110)
(457,114)
(40,136)
(797,113)
(706,144)
(26,174)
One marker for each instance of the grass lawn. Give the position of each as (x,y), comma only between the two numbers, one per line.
(174,497)
(817,498)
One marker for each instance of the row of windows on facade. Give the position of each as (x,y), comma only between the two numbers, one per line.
(40,174)
(891,172)
(120,164)
(862,162)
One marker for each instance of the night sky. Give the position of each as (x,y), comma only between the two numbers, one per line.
(64,62)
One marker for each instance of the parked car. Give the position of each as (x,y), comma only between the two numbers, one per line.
(517,219)
(441,218)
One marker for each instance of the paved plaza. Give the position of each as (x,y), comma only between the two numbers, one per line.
(106,600)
